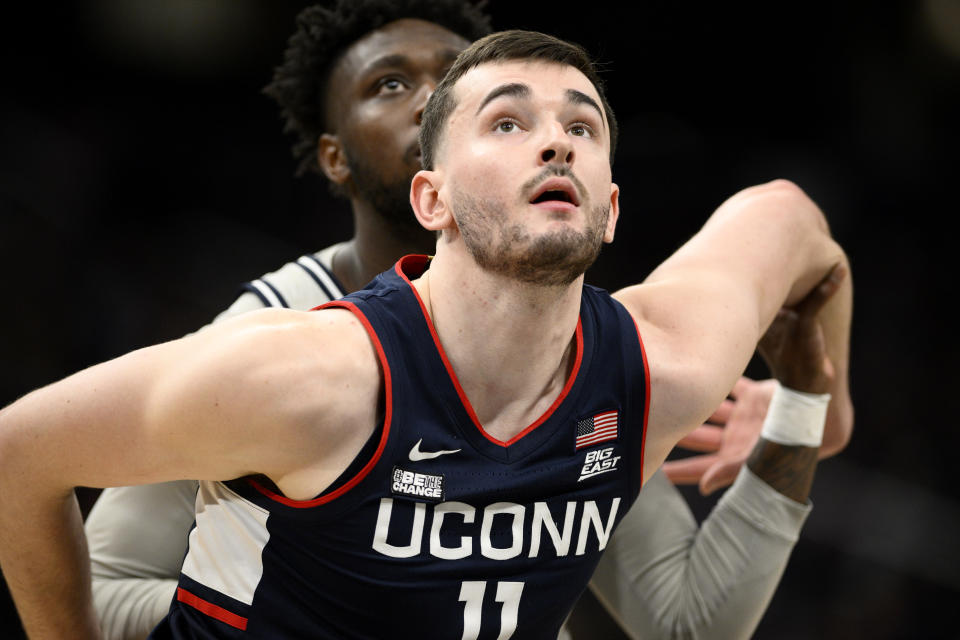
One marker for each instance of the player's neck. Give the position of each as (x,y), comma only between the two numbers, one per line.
(375,247)
(510,344)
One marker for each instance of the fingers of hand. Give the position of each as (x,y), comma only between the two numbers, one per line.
(688,470)
(719,475)
(722,413)
(704,438)
(742,385)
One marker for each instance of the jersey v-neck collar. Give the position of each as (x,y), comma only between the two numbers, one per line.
(413,266)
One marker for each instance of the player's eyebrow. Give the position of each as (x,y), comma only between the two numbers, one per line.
(384,62)
(400,61)
(578,97)
(522,91)
(514,89)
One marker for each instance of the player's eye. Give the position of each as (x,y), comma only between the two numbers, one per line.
(506,126)
(390,85)
(581,130)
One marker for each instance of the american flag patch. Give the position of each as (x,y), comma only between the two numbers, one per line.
(598,428)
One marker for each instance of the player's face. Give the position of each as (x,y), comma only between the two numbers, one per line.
(376,95)
(527,171)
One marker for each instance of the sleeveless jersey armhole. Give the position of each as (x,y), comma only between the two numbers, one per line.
(646,396)
(352,475)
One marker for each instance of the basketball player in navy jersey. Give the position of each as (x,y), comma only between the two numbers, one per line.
(138,535)
(491,432)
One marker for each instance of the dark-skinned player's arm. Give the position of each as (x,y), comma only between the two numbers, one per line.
(794,347)
(702,312)
(213,405)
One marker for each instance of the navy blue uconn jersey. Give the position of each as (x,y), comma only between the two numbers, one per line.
(437,530)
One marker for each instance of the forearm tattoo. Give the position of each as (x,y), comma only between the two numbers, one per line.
(787,469)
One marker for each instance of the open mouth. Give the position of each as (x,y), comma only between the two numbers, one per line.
(556,190)
(549,196)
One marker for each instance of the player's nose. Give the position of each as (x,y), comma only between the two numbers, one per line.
(556,145)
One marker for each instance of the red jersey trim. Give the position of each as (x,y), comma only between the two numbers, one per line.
(212,610)
(646,399)
(416,261)
(387,417)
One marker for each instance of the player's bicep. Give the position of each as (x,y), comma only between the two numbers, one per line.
(158,413)
(699,335)
(275,376)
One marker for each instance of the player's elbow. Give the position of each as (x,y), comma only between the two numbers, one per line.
(782,188)
(787,197)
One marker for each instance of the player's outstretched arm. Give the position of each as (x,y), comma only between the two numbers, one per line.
(209,406)
(702,312)
(662,576)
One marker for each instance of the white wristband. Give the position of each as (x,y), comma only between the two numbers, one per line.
(796,418)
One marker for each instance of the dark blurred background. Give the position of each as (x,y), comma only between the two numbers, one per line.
(143,177)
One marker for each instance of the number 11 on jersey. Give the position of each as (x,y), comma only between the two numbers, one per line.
(471,594)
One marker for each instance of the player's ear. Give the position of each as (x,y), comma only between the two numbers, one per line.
(614,212)
(431,211)
(332,158)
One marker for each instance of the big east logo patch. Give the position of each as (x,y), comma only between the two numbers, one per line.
(597,462)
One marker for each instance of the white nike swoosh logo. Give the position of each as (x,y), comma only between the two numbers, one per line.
(416,455)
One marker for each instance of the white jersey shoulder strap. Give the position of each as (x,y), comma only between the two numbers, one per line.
(302,284)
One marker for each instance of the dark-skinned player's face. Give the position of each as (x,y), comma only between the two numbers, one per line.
(375,99)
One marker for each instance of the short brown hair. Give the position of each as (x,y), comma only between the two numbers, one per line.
(504,46)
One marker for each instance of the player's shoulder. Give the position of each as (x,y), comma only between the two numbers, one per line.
(301,284)
(326,324)
(341,338)
(332,349)
(305,350)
